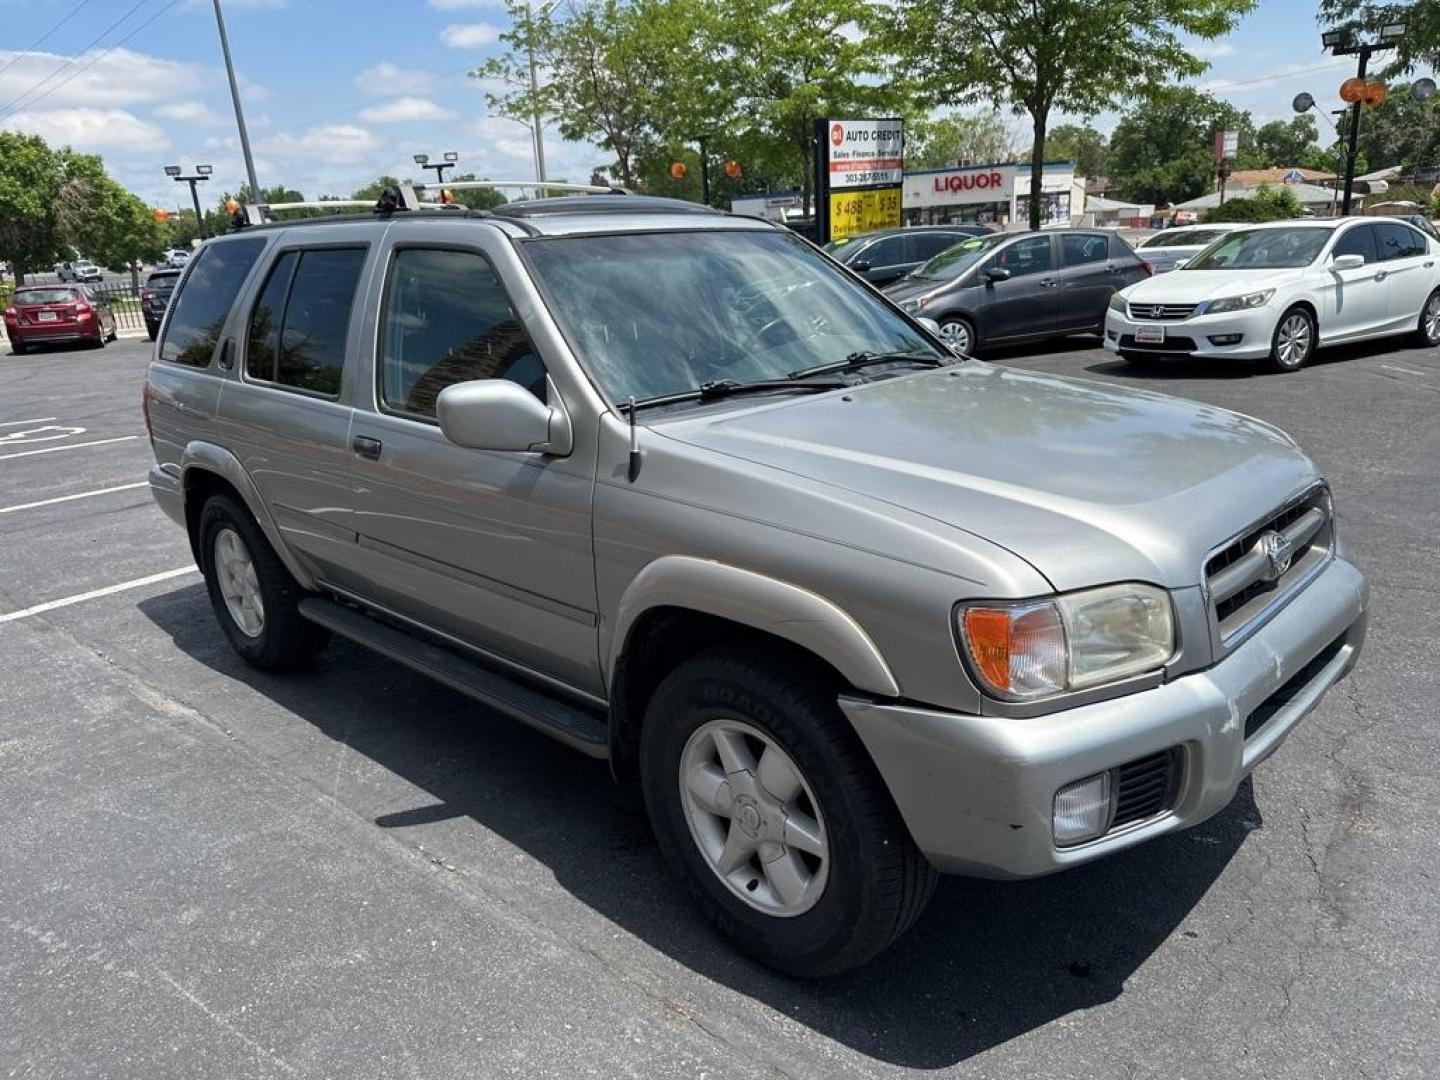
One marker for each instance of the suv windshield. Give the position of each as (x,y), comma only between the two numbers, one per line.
(661,313)
(1262,249)
(1183,238)
(954,261)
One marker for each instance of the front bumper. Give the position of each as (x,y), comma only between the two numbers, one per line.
(1192,336)
(977,793)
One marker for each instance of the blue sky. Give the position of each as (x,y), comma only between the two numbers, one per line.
(337,93)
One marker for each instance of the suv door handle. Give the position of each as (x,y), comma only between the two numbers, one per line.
(366,447)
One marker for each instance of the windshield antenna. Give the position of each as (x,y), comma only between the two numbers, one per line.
(634,445)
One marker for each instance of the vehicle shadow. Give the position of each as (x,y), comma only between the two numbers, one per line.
(988,961)
(1196,368)
(1076,343)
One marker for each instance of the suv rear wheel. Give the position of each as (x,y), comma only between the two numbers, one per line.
(254,596)
(768,808)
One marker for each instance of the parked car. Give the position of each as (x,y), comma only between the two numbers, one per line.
(53,314)
(677,490)
(1421,222)
(175,258)
(882,257)
(85,273)
(1170,246)
(1006,288)
(155,297)
(1280,290)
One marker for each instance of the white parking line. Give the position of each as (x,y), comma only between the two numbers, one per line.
(1406,370)
(96,593)
(72,446)
(37,420)
(68,498)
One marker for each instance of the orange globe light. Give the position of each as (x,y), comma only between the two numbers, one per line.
(231,206)
(160,214)
(677,170)
(1352,90)
(733,170)
(1375,94)
(446,196)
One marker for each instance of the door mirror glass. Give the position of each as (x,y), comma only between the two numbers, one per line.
(861,265)
(997,273)
(1348,262)
(496,414)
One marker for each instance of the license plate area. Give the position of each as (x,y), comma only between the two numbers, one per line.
(47,316)
(1150,335)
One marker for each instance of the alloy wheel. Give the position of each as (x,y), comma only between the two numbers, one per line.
(239,585)
(956,335)
(1430,319)
(754,818)
(1292,343)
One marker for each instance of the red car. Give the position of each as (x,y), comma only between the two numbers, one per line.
(46,314)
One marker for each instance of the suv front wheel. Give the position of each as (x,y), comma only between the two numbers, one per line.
(254,597)
(768,808)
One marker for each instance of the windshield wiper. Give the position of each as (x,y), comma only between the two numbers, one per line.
(857,360)
(724,388)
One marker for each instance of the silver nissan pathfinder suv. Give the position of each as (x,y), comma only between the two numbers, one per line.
(678,490)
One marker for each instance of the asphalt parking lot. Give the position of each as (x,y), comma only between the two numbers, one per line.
(353,872)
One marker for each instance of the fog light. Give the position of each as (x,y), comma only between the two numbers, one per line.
(1112,335)
(1082,810)
(1225,339)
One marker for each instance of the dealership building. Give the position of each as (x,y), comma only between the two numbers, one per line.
(996,194)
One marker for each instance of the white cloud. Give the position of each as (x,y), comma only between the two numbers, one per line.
(121,77)
(470,35)
(405,110)
(386,78)
(190,112)
(338,144)
(1211,50)
(89,129)
(463,5)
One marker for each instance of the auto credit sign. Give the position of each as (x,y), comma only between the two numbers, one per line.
(864,153)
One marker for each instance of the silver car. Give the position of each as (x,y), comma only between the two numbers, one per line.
(680,491)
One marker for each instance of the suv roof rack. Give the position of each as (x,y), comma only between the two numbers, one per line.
(635,204)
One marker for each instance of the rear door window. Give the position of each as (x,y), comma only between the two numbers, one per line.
(1397,241)
(1078,249)
(199,314)
(298,326)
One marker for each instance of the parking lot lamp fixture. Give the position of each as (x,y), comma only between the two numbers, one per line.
(451,157)
(199,176)
(1342,43)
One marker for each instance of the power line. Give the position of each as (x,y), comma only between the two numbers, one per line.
(1272,78)
(100,56)
(88,45)
(41,39)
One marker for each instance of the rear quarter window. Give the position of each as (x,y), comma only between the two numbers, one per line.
(203,302)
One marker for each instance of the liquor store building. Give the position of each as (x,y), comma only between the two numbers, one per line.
(996,194)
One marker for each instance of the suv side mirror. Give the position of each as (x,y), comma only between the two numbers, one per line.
(1347,262)
(497,414)
(997,273)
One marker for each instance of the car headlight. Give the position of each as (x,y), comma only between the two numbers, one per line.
(909,306)
(1117,303)
(1239,303)
(1038,648)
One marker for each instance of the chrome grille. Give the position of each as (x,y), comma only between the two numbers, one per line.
(1158,312)
(1249,577)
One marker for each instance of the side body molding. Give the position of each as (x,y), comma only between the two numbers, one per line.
(765,603)
(208,457)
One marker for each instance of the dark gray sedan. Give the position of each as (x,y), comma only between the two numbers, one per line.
(1014,287)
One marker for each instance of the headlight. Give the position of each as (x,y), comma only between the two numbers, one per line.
(1038,648)
(908,306)
(1117,303)
(1239,303)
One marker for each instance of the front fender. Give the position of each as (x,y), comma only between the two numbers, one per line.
(200,456)
(764,603)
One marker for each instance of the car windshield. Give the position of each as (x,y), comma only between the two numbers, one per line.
(1183,238)
(44,296)
(954,261)
(1262,249)
(662,313)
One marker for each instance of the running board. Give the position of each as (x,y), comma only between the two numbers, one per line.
(575,727)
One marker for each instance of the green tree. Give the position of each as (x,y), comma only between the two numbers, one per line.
(484,198)
(372,190)
(1083,145)
(1266,204)
(1163,150)
(933,143)
(1402,132)
(1420,47)
(30,179)
(1044,56)
(1281,143)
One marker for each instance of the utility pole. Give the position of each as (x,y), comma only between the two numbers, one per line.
(536,132)
(1354,140)
(239,112)
(1341,43)
(703,142)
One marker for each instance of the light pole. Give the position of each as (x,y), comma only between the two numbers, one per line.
(451,157)
(537,131)
(201,174)
(239,112)
(1341,43)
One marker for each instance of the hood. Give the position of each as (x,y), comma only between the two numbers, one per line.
(1192,286)
(1088,482)
(917,288)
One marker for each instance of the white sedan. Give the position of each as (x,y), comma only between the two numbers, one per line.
(1170,246)
(1280,290)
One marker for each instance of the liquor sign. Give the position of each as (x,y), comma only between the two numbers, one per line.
(859,169)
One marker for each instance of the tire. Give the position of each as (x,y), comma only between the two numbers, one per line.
(99,341)
(19,348)
(1293,342)
(851,894)
(151,332)
(1427,331)
(959,334)
(1139,359)
(261,618)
